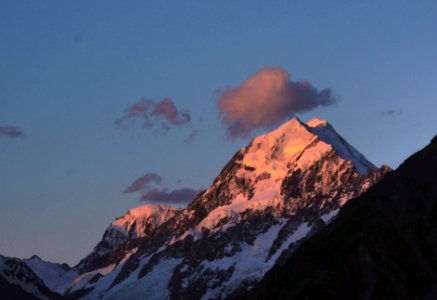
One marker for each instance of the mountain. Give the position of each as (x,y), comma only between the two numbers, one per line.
(382,245)
(283,187)
(19,281)
(57,277)
(272,195)
(124,233)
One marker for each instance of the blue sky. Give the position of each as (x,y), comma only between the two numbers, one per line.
(68,70)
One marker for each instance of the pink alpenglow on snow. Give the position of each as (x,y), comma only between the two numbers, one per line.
(10,131)
(159,213)
(143,182)
(182,196)
(150,111)
(265,99)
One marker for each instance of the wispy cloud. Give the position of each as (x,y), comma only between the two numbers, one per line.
(150,112)
(181,196)
(10,131)
(265,99)
(390,113)
(192,137)
(160,194)
(143,182)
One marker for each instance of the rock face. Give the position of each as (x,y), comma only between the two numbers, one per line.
(280,189)
(272,195)
(383,244)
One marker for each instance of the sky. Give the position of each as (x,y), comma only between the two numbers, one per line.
(105,106)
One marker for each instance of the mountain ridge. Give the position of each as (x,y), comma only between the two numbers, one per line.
(273,194)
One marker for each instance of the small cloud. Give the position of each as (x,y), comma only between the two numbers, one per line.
(151,112)
(390,113)
(143,182)
(183,196)
(10,131)
(265,99)
(159,195)
(192,137)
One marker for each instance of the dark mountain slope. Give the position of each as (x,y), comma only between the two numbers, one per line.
(382,245)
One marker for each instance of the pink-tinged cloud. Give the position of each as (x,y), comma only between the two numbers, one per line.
(10,131)
(183,196)
(152,112)
(167,110)
(265,99)
(143,182)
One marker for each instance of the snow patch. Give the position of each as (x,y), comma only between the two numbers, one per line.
(327,134)
(107,276)
(154,286)
(327,218)
(252,262)
(54,276)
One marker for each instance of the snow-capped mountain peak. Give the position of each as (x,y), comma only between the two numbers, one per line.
(316,122)
(282,187)
(327,134)
(305,143)
(138,221)
(57,277)
(18,279)
(275,192)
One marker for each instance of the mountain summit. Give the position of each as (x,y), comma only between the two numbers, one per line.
(383,244)
(274,193)
(281,188)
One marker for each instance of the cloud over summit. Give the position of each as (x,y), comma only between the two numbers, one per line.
(265,99)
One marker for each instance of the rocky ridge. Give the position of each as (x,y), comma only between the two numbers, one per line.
(273,194)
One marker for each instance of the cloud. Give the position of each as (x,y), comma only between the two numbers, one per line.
(159,195)
(390,113)
(150,112)
(184,195)
(192,137)
(143,182)
(265,99)
(10,131)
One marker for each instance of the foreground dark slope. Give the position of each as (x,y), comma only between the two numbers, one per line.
(383,244)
